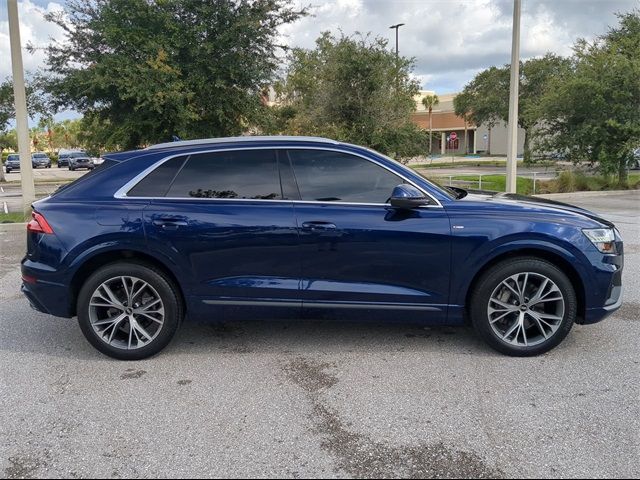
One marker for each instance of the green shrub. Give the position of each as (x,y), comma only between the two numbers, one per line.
(566,182)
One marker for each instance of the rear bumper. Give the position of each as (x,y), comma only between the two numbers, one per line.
(45,294)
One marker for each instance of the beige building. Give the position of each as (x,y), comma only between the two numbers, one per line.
(470,138)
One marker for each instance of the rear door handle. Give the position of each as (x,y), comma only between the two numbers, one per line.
(318,226)
(169,223)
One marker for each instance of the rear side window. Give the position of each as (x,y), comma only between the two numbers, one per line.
(248,174)
(157,183)
(328,176)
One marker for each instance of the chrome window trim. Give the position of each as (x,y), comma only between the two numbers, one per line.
(121,193)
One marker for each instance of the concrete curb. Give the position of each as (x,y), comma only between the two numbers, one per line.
(604,193)
(12,227)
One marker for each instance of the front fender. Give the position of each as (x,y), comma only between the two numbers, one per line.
(492,251)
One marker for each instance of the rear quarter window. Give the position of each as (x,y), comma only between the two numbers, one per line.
(98,169)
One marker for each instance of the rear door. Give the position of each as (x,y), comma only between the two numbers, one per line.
(360,256)
(222,215)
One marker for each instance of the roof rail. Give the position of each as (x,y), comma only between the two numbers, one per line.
(248,138)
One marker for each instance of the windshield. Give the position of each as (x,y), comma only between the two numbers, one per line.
(13,158)
(40,155)
(78,155)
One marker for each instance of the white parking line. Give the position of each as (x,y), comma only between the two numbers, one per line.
(6,209)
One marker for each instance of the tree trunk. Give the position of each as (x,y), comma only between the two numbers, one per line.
(623,172)
(466,139)
(527,148)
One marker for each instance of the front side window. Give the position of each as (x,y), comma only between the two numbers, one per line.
(328,176)
(242,174)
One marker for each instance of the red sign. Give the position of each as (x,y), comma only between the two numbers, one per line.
(453,135)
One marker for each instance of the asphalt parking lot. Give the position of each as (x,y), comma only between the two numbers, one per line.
(269,399)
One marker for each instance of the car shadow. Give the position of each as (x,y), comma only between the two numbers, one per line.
(42,334)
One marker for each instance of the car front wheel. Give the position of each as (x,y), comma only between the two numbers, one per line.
(523,307)
(129,311)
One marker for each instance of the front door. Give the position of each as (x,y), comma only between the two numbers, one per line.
(358,254)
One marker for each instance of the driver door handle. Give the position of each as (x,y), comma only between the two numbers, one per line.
(318,226)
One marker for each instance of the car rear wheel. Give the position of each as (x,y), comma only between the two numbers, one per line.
(523,307)
(129,311)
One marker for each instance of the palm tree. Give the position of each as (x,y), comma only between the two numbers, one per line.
(430,101)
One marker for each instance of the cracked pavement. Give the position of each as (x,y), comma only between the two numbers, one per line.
(275,399)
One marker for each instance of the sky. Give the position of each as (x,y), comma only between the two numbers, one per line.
(451,40)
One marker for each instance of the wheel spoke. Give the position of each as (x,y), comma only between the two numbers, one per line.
(127,290)
(513,328)
(147,306)
(540,326)
(500,317)
(137,292)
(110,294)
(138,328)
(110,320)
(105,304)
(515,292)
(504,305)
(153,319)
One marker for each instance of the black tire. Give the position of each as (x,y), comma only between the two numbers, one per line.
(491,279)
(8,170)
(167,291)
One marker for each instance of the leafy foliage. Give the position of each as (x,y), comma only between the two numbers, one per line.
(594,113)
(352,89)
(485,100)
(35,104)
(143,70)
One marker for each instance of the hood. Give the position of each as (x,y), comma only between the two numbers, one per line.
(524,200)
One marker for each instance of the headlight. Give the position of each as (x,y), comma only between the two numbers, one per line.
(602,238)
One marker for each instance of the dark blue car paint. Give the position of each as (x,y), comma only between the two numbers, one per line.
(241,258)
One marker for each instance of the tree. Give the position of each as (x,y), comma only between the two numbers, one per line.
(143,70)
(354,89)
(35,105)
(430,101)
(485,100)
(594,113)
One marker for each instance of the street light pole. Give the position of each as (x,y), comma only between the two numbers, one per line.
(512,129)
(20,98)
(397,26)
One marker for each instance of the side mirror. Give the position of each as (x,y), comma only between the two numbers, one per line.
(407,196)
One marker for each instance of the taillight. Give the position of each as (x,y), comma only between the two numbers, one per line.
(39,224)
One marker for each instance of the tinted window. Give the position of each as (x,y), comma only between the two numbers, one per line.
(241,174)
(328,176)
(157,183)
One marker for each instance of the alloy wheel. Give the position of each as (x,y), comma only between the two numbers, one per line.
(526,309)
(126,312)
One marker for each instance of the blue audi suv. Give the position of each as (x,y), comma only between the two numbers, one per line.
(302,227)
